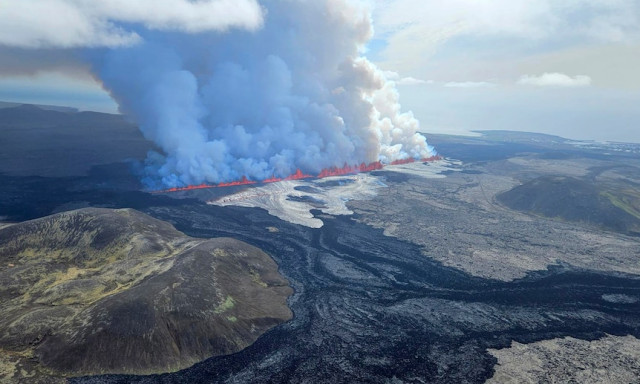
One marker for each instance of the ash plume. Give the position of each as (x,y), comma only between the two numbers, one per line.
(287,88)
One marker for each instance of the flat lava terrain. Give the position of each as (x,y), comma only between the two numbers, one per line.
(464,222)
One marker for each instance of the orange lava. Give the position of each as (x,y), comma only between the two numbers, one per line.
(188,188)
(432,158)
(272,179)
(349,169)
(299,175)
(403,161)
(243,181)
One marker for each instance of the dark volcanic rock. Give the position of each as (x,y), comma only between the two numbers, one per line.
(97,291)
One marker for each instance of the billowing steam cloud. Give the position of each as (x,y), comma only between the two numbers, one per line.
(294,92)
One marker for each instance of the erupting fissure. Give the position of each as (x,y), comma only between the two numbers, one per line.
(299,175)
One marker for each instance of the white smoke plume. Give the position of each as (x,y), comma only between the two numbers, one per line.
(260,96)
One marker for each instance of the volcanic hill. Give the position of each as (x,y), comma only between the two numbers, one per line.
(116,291)
(610,206)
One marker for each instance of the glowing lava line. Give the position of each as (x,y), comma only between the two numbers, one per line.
(299,175)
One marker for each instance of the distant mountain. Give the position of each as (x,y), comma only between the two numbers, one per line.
(116,291)
(522,137)
(8,104)
(43,142)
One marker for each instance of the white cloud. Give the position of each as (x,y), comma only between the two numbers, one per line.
(555,80)
(391,75)
(416,29)
(412,81)
(468,84)
(605,20)
(90,23)
(395,77)
(454,17)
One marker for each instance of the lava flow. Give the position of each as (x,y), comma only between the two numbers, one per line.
(412,160)
(243,181)
(299,175)
(348,169)
(403,161)
(431,158)
(272,179)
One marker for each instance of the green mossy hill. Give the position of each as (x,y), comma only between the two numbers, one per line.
(573,199)
(116,291)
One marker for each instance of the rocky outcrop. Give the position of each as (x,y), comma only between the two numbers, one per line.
(612,359)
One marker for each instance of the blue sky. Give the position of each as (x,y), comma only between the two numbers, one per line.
(560,67)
